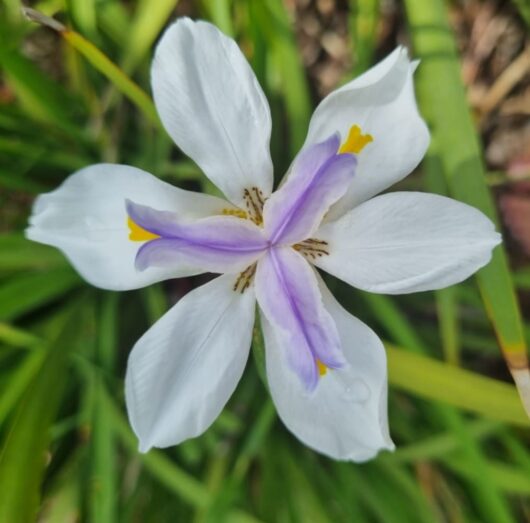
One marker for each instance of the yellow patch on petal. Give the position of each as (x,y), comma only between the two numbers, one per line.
(139,234)
(356,141)
(322,369)
(238,213)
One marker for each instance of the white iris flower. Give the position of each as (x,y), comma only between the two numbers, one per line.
(123,228)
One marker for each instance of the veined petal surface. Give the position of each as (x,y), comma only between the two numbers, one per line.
(382,103)
(288,294)
(345,417)
(86,219)
(406,242)
(213,107)
(318,178)
(222,244)
(184,369)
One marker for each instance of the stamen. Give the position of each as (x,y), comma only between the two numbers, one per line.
(238,213)
(245,279)
(322,369)
(312,248)
(254,202)
(139,234)
(356,141)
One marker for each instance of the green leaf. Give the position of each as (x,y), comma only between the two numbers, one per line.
(168,473)
(19,254)
(83,14)
(456,146)
(439,381)
(42,98)
(363,28)
(28,291)
(18,381)
(23,459)
(145,27)
(102,63)
(285,56)
(104,478)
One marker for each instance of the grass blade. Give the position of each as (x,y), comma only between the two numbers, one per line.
(145,27)
(456,145)
(102,63)
(31,290)
(439,381)
(22,460)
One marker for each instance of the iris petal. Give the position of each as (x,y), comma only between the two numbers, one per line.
(319,177)
(346,417)
(86,218)
(184,368)
(287,292)
(221,244)
(406,242)
(212,105)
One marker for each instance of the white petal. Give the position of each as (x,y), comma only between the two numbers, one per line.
(213,107)
(87,220)
(406,242)
(186,366)
(382,103)
(346,416)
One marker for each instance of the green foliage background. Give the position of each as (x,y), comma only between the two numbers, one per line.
(67,452)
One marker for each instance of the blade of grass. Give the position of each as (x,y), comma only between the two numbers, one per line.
(254,440)
(409,490)
(41,98)
(460,155)
(17,382)
(28,291)
(143,30)
(17,337)
(490,502)
(507,478)
(277,28)
(446,306)
(307,504)
(83,14)
(363,26)
(22,460)
(167,472)
(19,254)
(103,503)
(442,444)
(219,12)
(439,381)
(102,63)
(114,20)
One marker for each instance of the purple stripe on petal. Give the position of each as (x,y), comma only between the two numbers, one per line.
(163,223)
(216,244)
(288,294)
(318,179)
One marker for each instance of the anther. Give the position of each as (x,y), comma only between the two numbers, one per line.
(244,279)
(254,202)
(312,248)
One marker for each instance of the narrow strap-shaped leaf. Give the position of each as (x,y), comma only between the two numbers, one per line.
(363,27)
(102,63)
(460,155)
(439,381)
(145,27)
(28,436)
